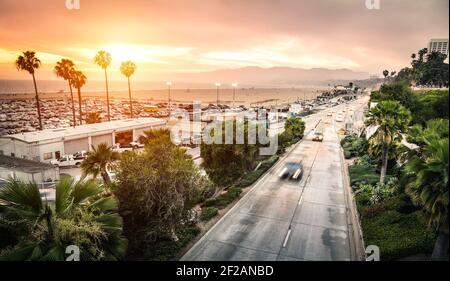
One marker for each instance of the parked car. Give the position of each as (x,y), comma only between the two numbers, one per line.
(292,170)
(67,161)
(80,155)
(136,145)
(117,147)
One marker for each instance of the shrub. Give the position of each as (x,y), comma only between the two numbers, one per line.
(354,146)
(378,192)
(366,160)
(398,235)
(208,213)
(224,199)
(347,153)
(253,176)
(166,249)
(363,174)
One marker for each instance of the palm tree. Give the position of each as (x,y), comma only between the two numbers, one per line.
(429,188)
(93,117)
(154,134)
(392,120)
(78,81)
(80,216)
(385,74)
(99,161)
(65,69)
(127,68)
(103,59)
(28,62)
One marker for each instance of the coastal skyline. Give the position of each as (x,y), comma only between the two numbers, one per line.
(169,37)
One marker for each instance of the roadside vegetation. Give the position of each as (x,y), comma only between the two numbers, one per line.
(82,215)
(401,190)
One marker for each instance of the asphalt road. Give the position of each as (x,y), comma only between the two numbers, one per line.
(285,219)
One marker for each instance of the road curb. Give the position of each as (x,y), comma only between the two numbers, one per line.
(357,247)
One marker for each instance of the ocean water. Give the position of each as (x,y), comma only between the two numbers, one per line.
(157,92)
(54,86)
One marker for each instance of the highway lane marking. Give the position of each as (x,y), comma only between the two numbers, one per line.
(287,237)
(301,198)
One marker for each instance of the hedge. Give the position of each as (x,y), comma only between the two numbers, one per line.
(208,213)
(363,174)
(398,235)
(223,200)
(253,176)
(164,250)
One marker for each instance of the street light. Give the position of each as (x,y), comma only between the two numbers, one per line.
(234,85)
(217,93)
(168,90)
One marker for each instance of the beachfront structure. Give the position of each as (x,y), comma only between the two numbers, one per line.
(46,145)
(438,45)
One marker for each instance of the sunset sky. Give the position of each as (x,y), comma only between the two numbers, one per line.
(165,36)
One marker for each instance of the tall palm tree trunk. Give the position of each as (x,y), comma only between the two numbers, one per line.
(37,103)
(73,106)
(79,105)
(131,102)
(440,251)
(107,96)
(384,163)
(106,178)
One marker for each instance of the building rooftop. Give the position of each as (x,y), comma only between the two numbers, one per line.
(27,166)
(85,130)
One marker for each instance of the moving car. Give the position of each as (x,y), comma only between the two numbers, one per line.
(318,136)
(339,118)
(292,170)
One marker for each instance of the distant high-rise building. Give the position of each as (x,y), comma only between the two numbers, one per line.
(438,45)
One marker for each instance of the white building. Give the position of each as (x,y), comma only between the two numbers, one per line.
(51,144)
(438,45)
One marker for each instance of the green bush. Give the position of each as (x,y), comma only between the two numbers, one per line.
(379,192)
(398,235)
(166,249)
(253,176)
(223,200)
(363,174)
(208,213)
(400,203)
(354,146)
(347,153)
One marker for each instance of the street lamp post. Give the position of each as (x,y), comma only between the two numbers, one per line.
(234,85)
(217,93)
(168,90)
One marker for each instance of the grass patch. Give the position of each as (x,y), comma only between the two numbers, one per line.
(166,250)
(208,213)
